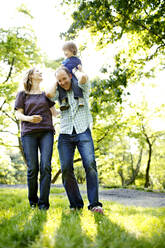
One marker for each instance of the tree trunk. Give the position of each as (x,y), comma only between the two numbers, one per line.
(135,171)
(147,178)
(19,142)
(120,172)
(56,176)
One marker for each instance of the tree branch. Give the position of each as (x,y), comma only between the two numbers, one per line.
(2,104)
(10,71)
(3,131)
(4,144)
(8,115)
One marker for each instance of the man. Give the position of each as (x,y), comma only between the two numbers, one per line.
(75,132)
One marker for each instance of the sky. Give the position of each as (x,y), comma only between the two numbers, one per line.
(48,22)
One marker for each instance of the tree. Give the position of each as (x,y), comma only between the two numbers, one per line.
(18,51)
(140,23)
(149,137)
(114,18)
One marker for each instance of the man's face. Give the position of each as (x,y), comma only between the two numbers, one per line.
(64,80)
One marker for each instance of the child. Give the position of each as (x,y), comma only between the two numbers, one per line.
(72,62)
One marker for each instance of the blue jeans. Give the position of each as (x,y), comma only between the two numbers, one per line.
(31,143)
(66,146)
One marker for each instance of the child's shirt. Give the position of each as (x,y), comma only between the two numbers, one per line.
(71,63)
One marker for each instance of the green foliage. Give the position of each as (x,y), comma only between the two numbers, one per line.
(105,93)
(23,9)
(80,174)
(18,49)
(139,23)
(114,18)
(53,64)
(12,168)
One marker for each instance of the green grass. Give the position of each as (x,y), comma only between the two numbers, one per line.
(120,226)
(57,190)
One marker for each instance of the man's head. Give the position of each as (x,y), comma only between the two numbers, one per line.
(63,77)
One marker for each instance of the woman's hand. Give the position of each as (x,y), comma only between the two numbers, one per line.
(34,118)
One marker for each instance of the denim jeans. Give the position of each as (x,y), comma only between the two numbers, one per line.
(66,146)
(31,143)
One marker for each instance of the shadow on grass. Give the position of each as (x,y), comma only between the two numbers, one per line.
(111,235)
(69,233)
(22,229)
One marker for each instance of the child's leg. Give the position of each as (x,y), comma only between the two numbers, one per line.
(78,94)
(76,89)
(63,98)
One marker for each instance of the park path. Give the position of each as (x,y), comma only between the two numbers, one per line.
(128,197)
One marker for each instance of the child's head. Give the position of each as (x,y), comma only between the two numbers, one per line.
(70,49)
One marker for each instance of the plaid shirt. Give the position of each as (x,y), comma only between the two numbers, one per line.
(79,117)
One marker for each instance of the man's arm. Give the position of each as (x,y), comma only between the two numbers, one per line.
(52,92)
(80,74)
(54,112)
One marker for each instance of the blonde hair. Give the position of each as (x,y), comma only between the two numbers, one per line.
(27,81)
(71,46)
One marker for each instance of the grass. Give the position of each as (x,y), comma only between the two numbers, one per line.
(120,226)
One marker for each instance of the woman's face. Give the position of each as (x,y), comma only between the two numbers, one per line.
(37,75)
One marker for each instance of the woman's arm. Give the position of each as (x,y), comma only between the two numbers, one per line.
(33,118)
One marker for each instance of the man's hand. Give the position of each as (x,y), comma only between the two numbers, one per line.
(80,75)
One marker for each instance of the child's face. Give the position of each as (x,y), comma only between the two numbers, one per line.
(68,53)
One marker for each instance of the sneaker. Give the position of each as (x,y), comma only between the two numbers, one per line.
(97,209)
(72,209)
(80,102)
(75,209)
(43,209)
(33,206)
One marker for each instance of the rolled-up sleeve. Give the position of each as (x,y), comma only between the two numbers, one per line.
(19,102)
(55,98)
(50,102)
(85,87)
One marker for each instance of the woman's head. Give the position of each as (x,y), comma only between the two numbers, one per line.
(30,76)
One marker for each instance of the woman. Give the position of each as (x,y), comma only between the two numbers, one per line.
(35,111)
